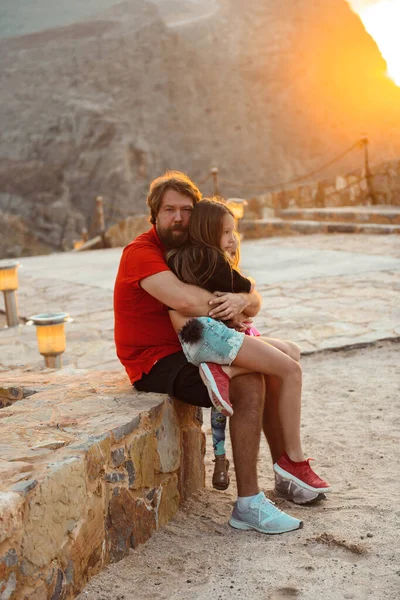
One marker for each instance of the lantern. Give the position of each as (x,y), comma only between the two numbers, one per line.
(236,205)
(50,333)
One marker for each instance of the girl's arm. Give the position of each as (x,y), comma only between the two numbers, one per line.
(244,299)
(226,279)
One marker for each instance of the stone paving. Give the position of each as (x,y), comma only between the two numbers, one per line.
(321,291)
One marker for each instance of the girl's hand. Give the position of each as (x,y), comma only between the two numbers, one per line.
(227,305)
(247,322)
(240,323)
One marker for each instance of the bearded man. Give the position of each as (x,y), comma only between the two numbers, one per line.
(150,351)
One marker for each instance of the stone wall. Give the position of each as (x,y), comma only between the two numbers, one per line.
(346,190)
(89,470)
(16,238)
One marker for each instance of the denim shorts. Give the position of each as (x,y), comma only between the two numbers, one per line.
(219,343)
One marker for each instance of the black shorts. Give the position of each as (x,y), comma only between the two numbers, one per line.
(175,376)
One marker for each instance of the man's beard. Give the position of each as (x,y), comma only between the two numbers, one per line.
(174,237)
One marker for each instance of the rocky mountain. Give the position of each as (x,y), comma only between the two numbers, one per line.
(265,90)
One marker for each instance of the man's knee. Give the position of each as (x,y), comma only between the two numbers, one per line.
(295,371)
(293,350)
(291,371)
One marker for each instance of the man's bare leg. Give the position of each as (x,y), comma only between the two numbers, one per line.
(273,432)
(247,397)
(271,421)
(252,510)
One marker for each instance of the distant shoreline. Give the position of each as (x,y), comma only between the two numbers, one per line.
(18,17)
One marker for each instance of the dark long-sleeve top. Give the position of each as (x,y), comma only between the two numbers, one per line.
(223,279)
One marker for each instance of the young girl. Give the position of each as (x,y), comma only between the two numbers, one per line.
(220,478)
(209,344)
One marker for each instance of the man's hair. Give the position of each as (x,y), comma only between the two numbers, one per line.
(171,180)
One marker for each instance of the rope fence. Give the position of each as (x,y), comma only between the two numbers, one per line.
(294,179)
(205,179)
(347,187)
(362,143)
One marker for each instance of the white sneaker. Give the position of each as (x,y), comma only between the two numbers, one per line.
(289,490)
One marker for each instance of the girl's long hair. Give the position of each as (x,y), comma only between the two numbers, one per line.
(196,261)
(235,256)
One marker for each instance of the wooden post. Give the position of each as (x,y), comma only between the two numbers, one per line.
(10,301)
(100,214)
(97,225)
(368,175)
(214,173)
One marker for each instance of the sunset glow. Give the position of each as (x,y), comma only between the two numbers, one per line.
(382,21)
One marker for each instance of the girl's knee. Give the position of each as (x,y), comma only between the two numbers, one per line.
(294,351)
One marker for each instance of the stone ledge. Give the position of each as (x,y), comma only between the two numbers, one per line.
(89,469)
(383,215)
(259,228)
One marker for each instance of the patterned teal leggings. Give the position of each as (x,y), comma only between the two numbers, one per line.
(218,426)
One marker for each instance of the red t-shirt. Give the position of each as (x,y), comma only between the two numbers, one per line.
(143,331)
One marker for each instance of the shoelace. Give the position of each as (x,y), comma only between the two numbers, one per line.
(265,502)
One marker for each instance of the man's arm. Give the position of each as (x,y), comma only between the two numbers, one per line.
(189,300)
(255,302)
(226,305)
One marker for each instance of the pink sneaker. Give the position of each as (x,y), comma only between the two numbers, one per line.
(217,383)
(301,473)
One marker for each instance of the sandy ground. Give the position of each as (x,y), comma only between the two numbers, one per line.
(349,545)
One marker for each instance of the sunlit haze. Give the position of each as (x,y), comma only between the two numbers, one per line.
(382,21)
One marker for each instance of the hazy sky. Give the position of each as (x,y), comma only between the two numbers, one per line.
(381,20)
(357,4)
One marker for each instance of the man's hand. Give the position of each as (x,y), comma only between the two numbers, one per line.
(227,305)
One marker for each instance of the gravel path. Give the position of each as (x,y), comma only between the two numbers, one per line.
(348,548)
